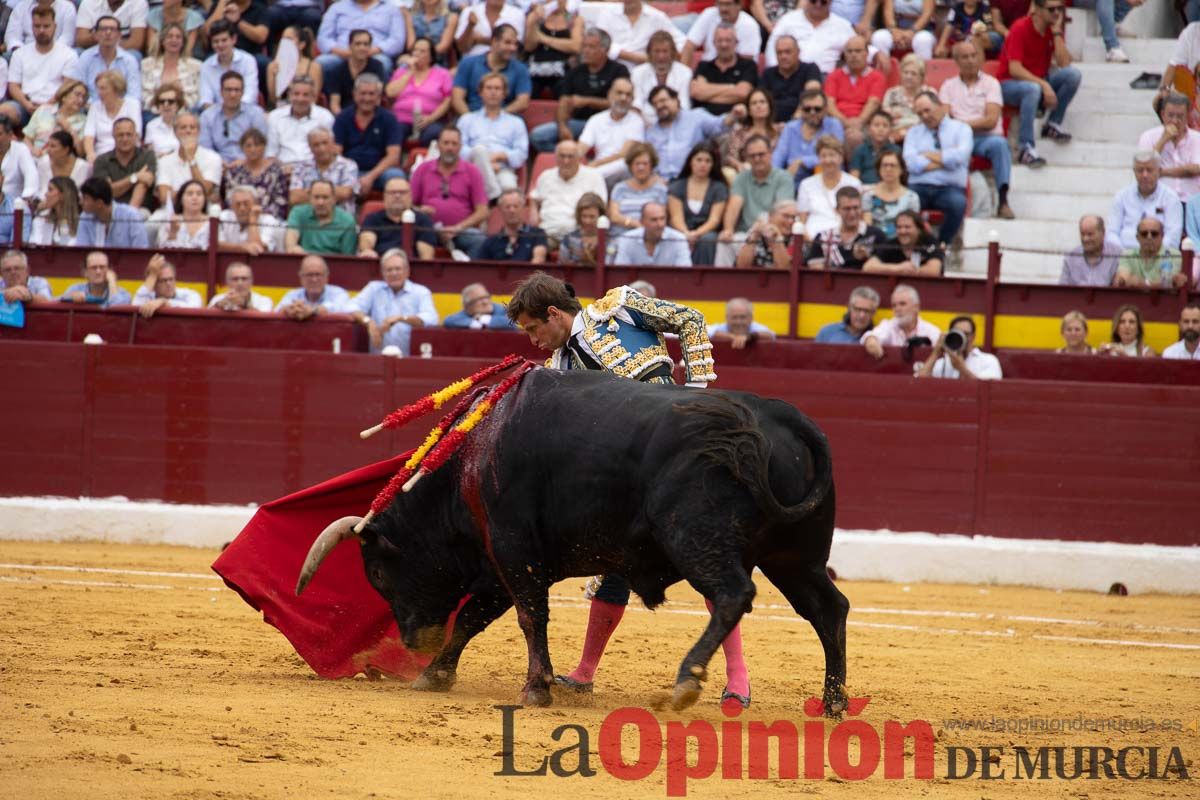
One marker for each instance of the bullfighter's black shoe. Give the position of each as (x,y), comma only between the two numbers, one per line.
(572,684)
(728,695)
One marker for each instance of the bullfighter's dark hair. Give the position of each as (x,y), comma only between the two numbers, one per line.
(536,294)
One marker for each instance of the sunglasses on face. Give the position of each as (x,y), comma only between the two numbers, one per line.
(812,109)
(1055,9)
(1150,234)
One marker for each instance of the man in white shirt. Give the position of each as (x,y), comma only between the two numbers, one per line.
(611,133)
(189,162)
(36,71)
(1188,346)
(948,361)
(631,27)
(315,295)
(17,166)
(244,226)
(557,192)
(288,126)
(904,324)
(160,291)
(749,35)
(821,35)
(239,294)
(130,13)
(662,69)
(739,327)
(20,23)
(475,24)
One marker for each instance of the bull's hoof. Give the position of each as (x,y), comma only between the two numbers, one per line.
(439,680)
(687,692)
(835,705)
(536,696)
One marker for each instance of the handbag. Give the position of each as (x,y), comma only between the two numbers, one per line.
(12,314)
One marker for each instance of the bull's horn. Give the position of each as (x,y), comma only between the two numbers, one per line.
(371,431)
(333,535)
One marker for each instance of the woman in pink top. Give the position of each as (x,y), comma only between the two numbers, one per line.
(420,94)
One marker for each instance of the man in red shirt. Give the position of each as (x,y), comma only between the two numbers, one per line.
(855,91)
(1034,45)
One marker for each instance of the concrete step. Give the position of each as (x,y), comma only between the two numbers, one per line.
(1114,76)
(1014,268)
(1112,100)
(1088,126)
(1151,54)
(1052,234)
(1089,154)
(1081,180)
(1054,206)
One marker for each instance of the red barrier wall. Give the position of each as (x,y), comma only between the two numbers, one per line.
(1015,458)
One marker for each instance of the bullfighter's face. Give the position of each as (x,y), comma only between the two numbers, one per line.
(550,333)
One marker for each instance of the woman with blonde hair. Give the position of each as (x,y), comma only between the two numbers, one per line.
(67,113)
(1128,335)
(57,220)
(898,100)
(172,64)
(579,246)
(1074,329)
(112,106)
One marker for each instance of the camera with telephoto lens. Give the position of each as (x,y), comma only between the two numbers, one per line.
(955,341)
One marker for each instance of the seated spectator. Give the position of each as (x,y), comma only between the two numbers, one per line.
(479,312)
(38,66)
(696,202)
(820,35)
(392,307)
(644,287)
(159,290)
(57,218)
(631,27)
(796,150)
(1094,262)
(1128,335)
(315,296)
(184,226)
(652,243)
(106,56)
(629,196)
(753,194)
(973,97)
(972,21)
(171,65)
(190,162)
(580,245)
(817,197)
(1109,15)
(496,142)
(160,131)
(222,37)
(769,241)
(319,226)
(112,106)
(938,153)
(727,79)
(296,45)
(1074,329)
(433,20)
(960,358)
(500,57)
(263,175)
(1026,80)
(877,142)
(610,134)
(223,124)
(858,319)
(99,286)
(907,25)
(131,17)
(676,132)
(60,161)
(369,135)
(104,223)
(1151,264)
(553,36)
(884,201)
(1147,196)
(174,12)
(289,125)
(450,190)
(68,113)
(326,165)
(246,227)
(419,92)
(703,32)
(478,23)
(343,73)
(22,29)
(128,168)
(898,100)
(555,197)
(1177,145)
(384,23)
(1188,346)
(1185,58)
(515,241)
(16,283)
(788,79)
(850,244)
(904,325)
(18,170)
(739,327)
(8,220)
(912,251)
(662,68)
(759,121)
(252,27)
(383,230)
(855,91)
(285,15)
(239,294)
(584,94)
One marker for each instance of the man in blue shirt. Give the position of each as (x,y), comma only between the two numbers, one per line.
(653,243)
(392,307)
(796,150)
(104,223)
(315,295)
(678,131)
(380,19)
(100,284)
(859,318)
(369,135)
(104,56)
(222,126)
(501,57)
(222,37)
(17,285)
(515,241)
(937,153)
(479,312)
(495,141)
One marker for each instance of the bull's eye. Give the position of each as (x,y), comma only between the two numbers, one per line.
(377,575)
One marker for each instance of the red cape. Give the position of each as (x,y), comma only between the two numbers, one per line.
(340,625)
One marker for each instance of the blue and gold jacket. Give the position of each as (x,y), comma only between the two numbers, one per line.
(622,332)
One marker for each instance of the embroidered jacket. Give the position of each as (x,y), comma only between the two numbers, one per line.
(622,332)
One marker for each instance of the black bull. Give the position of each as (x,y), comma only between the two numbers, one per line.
(584,473)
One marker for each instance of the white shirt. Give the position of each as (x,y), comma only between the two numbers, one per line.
(820,203)
(99,124)
(184,297)
(258,302)
(985,366)
(160,138)
(510,15)
(821,45)
(1187,48)
(890,334)
(174,173)
(44,233)
(41,74)
(1179,351)
(131,14)
(559,197)
(608,135)
(287,135)
(20,172)
(270,230)
(20,24)
(634,37)
(80,173)
(645,80)
(749,35)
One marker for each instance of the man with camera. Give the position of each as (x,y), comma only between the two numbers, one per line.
(956,356)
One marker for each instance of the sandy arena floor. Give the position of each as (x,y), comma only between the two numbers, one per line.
(131,672)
